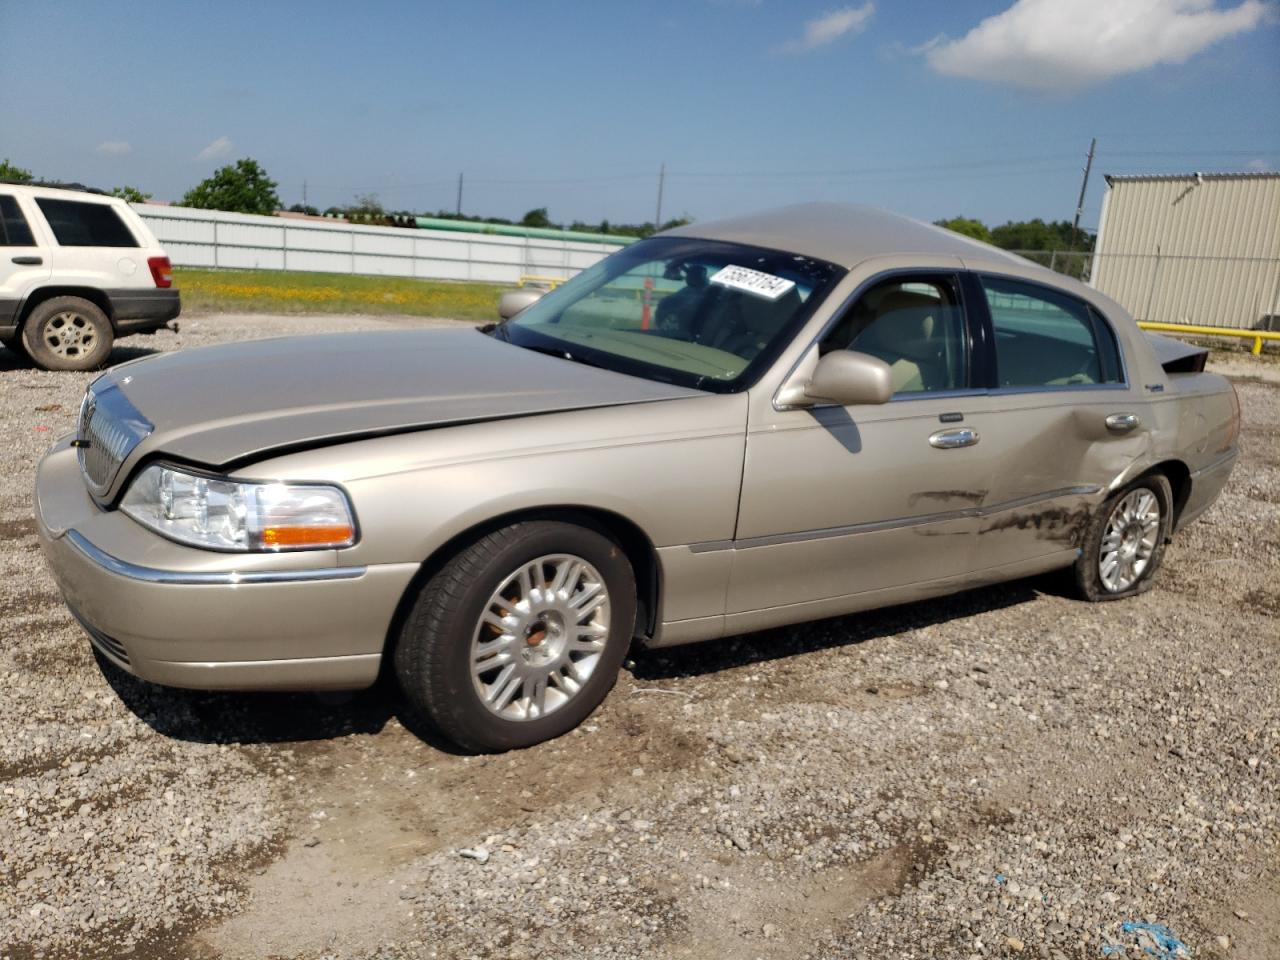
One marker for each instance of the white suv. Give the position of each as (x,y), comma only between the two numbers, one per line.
(77,270)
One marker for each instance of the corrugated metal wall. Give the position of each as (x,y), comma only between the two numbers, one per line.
(1196,250)
(211,238)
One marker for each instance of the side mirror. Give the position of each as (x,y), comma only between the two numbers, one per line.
(847,377)
(513,301)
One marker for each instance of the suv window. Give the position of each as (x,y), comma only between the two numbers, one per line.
(1046,339)
(14,229)
(78,224)
(914,324)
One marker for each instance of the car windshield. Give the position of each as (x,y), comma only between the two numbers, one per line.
(699,313)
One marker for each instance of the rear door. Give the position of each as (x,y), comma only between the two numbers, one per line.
(1057,376)
(24,257)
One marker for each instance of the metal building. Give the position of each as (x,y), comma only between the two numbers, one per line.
(1194,249)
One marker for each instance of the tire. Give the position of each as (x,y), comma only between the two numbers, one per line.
(67,333)
(479,609)
(1118,558)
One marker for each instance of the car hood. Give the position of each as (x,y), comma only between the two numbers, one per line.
(235,403)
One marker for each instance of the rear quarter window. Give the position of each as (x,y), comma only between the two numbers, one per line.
(76,223)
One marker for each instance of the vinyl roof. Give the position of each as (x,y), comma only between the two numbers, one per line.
(843,234)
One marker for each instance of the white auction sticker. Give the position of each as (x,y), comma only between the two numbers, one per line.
(753,281)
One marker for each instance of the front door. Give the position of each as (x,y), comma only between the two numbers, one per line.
(839,501)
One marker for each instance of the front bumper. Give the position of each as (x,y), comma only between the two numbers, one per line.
(193,618)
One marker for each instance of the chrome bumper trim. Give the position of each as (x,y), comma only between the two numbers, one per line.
(152,575)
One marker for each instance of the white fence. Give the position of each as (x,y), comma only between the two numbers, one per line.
(211,238)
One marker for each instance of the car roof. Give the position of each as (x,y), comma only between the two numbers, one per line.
(842,233)
(57,190)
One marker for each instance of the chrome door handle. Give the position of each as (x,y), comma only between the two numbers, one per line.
(1122,422)
(947,439)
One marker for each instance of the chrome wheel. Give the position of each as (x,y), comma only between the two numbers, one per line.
(1129,540)
(68,334)
(540,637)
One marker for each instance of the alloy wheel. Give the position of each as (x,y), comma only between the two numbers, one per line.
(69,334)
(1129,540)
(540,636)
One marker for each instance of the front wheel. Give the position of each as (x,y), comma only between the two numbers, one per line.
(1125,541)
(519,636)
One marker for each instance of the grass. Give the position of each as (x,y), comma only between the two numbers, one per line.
(276,291)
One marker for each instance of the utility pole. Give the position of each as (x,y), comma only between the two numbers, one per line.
(459,211)
(1084,185)
(304,193)
(662,176)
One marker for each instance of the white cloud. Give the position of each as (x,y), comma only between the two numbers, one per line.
(1054,44)
(1258,165)
(830,27)
(113,148)
(219,148)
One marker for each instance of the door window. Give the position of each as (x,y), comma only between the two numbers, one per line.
(78,224)
(14,229)
(916,325)
(1047,339)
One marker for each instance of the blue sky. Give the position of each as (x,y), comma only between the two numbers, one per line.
(929,108)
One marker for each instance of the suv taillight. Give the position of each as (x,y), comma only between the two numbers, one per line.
(161,271)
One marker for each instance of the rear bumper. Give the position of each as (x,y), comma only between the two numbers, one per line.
(190,618)
(137,311)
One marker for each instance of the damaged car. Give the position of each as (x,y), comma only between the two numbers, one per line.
(727,427)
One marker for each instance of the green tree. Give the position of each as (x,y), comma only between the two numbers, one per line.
(11,174)
(536,218)
(305,208)
(242,187)
(1038,235)
(968,227)
(131,194)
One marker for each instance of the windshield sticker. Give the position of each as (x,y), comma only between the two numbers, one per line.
(753,281)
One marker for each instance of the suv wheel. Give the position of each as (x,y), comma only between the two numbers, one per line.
(518,637)
(67,333)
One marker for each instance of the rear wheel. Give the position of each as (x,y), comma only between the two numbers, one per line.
(518,637)
(1126,540)
(67,333)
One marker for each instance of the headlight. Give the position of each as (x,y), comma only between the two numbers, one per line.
(223,514)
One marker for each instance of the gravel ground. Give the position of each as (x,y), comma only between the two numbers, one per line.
(1003,773)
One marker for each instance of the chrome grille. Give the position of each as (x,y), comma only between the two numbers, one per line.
(110,428)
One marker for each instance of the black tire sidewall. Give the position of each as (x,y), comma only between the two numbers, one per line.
(33,338)
(444,690)
(1088,576)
